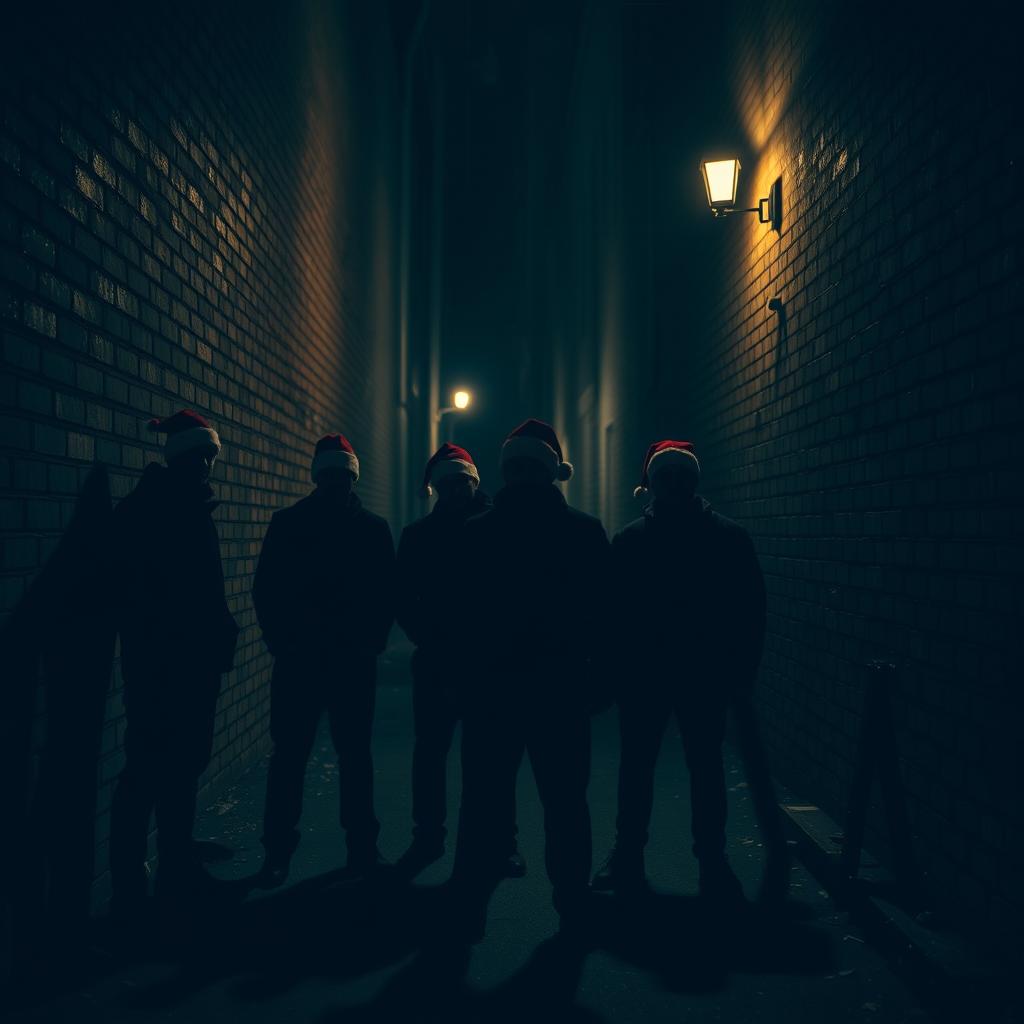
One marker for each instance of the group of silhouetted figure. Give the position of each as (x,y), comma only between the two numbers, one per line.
(525,620)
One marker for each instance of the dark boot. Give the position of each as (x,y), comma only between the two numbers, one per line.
(719,884)
(515,865)
(363,862)
(622,872)
(274,872)
(421,854)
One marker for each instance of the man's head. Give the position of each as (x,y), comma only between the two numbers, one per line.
(335,483)
(523,470)
(532,454)
(674,483)
(192,445)
(452,473)
(457,490)
(671,471)
(335,467)
(194,465)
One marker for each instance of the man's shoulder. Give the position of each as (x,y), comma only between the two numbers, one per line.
(583,520)
(416,529)
(726,527)
(631,532)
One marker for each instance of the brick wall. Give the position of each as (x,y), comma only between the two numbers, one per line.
(870,441)
(195,212)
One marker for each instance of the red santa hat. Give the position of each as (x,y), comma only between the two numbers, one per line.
(535,439)
(679,453)
(446,461)
(333,451)
(185,431)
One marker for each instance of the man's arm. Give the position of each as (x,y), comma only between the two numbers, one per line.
(409,583)
(382,608)
(270,588)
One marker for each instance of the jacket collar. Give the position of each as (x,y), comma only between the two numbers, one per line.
(480,502)
(530,497)
(159,486)
(687,514)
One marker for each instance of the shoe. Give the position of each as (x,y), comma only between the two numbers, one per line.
(719,884)
(515,865)
(465,918)
(366,864)
(273,874)
(420,855)
(574,910)
(622,872)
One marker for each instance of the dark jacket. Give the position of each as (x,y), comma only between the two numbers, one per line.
(167,582)
(538,602)
(690,599)
(429,575)
(324,584)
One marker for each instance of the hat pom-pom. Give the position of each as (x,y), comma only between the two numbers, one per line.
(638,491)
(564,471)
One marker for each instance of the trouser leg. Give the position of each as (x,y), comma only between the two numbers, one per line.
(492,746)
(351,706)
(188,742)
(702,725)
(435,719)
(133,802)
(642,721)
(295,708)
(559,747)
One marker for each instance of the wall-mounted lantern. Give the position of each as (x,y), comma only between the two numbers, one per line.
(721,180)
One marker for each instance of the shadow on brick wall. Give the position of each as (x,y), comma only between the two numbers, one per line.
(57,650)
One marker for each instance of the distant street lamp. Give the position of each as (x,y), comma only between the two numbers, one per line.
(460,401)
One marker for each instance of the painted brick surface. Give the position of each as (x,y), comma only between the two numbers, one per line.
(196,211)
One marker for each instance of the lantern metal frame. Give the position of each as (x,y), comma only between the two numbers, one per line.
(768,209)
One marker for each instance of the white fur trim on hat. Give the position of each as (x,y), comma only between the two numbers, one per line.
(672,457)
(535,448)
(334,460)
(185,440)
(449,467)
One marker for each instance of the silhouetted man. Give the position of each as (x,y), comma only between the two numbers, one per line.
(324,593)
(177,638)
(689,590)
(428,572)
(532,625)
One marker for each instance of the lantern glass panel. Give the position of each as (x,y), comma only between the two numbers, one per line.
(720,179)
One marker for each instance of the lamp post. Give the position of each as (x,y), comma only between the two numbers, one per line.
(461,400)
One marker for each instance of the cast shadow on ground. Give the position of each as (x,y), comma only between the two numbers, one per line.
(332,929)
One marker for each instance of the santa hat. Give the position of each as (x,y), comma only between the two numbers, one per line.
(334,452)
(446,461)
(679,453)
(535,439)
(185,431)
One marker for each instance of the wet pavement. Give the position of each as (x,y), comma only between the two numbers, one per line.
(329,949)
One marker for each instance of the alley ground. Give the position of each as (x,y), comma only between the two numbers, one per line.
(327,950)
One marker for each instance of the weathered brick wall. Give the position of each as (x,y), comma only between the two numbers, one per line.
(871,443)
(197,210)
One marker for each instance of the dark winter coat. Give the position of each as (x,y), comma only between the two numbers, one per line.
(690,599)
(167,582)
(324,586)
(429,574)
(538,601)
